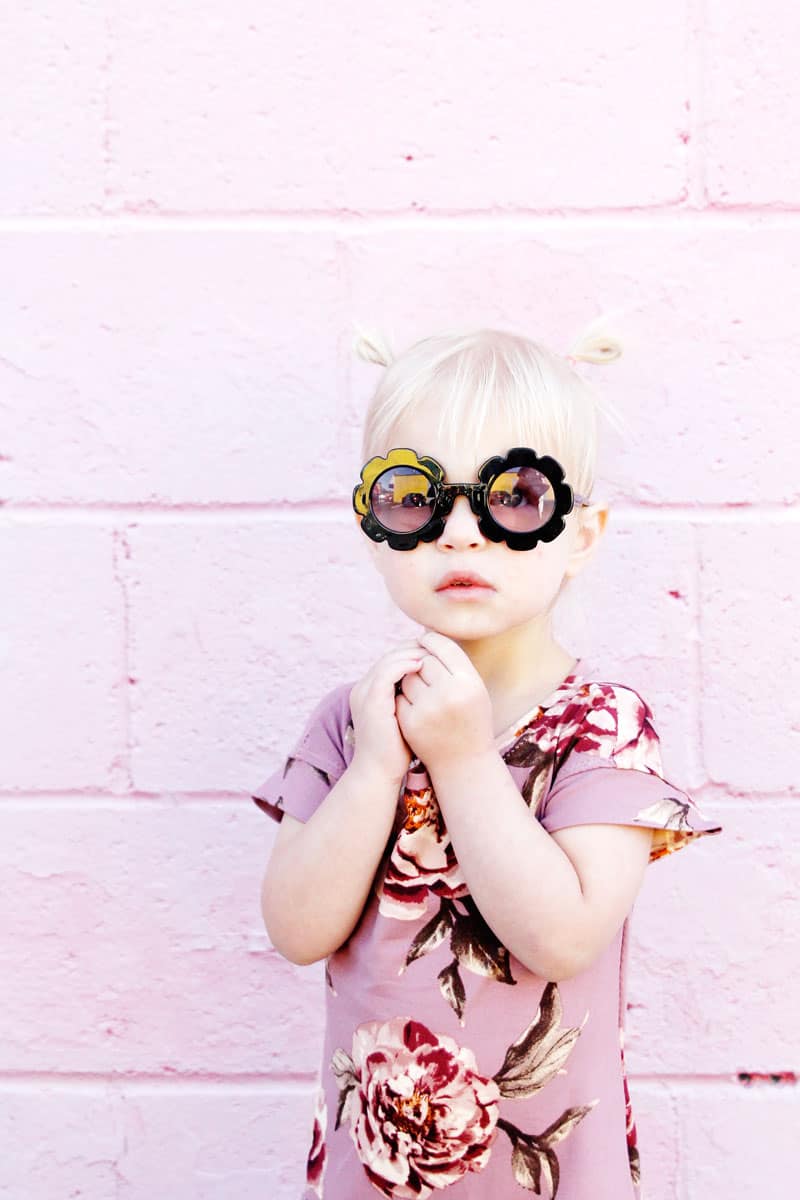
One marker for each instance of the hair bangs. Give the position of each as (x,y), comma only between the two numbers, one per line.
(490,379)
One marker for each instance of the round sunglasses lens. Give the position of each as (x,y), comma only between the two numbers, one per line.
(521,499)
(402,499)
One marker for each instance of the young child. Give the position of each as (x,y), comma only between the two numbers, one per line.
(464,829)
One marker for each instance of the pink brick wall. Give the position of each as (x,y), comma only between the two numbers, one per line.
(195,203)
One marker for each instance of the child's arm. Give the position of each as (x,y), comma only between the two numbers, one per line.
(554,900)
(554,890)
(321,870)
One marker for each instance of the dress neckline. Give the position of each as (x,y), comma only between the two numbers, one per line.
(511,732)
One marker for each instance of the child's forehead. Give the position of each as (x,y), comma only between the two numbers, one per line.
(461,457)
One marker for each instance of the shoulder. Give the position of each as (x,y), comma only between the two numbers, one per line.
(325,738)
(612,721)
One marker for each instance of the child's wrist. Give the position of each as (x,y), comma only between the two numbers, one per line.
(372,772)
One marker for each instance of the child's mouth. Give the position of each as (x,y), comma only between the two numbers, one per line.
(465,591)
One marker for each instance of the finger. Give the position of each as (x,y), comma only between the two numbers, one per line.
(412,686)
(412,653)
(406,644)
(448,652)
(401,654)
(395,676)
(434,671)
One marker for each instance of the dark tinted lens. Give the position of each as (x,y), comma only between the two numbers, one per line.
(402,499)
(521,499)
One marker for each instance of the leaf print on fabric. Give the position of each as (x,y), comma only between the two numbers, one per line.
(670,819)
(422,1116)
(528,752)
(476,947)
(472,943)
(540,1051)
(630,1124)
(422,860)
(431,935)
(317,1157)
(451,986)
(290,761)
(533,1160)
(344,1072)
(279,800)
(669,813)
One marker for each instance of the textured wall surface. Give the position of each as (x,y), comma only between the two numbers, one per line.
(196,201)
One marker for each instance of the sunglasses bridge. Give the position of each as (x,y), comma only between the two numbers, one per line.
(449,491)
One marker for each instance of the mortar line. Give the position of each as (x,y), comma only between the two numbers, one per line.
(713,215)
(295,1082)
(696,103)
(121,762)
(223,512)
(98,800)
(700,676)
(89,1082)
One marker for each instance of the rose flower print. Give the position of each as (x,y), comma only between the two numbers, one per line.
(315,1167)
(423,866)
(422,1115)
(422,858)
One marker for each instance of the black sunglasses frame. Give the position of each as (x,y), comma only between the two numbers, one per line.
(476,493)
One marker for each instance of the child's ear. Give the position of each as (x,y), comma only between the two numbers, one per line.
(591,527)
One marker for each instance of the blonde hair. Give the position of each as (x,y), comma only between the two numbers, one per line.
(489,375)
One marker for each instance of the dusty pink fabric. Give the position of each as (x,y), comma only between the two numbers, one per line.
(447,1064)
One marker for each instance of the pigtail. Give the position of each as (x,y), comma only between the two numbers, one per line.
(372,346)
(599,345)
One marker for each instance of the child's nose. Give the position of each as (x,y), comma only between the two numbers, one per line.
(461,524)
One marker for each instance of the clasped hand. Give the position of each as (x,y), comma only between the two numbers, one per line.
(443,710)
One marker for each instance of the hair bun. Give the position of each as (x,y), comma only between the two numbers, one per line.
(597,344)
(372,347)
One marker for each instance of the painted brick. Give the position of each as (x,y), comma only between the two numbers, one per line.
(750,590)
(112,385)
(740,1142)
(463,109)
(632,614)
(133,941)
(750,103)
(133,1141)
(166,367)
(53,125)
(706,386)
(214,697)
(58,1142)
(209,695)
(61,652)
(714,950)
(160,362)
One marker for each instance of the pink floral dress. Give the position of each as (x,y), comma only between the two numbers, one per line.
(447,1064)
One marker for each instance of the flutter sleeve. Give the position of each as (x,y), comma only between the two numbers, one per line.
(314,763)
(608,771)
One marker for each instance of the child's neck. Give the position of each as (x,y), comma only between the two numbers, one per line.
(519,670)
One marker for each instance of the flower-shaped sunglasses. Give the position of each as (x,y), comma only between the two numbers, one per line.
(521,498)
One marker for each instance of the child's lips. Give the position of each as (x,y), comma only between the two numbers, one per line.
(454,581)
(465,593)
(467,589)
